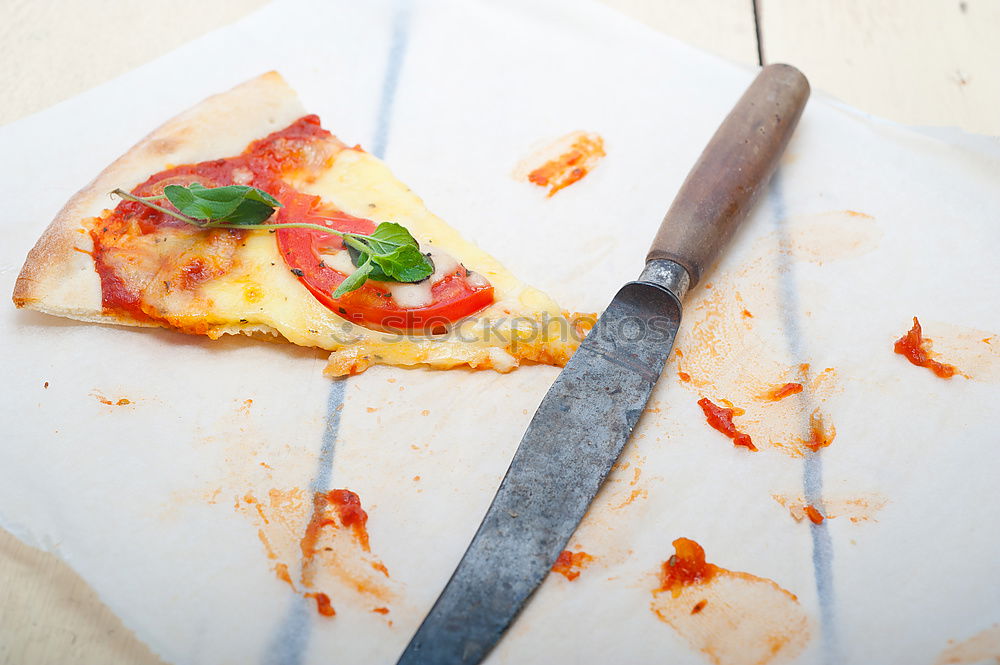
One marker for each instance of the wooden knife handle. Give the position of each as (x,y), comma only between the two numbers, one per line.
(733,169)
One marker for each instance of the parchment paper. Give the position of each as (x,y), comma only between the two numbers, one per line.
(866,225)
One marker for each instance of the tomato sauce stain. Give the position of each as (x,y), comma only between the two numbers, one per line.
(916,349)
(152,265)
(569,564)
(821,432)
(721,418)
(346,505)
(281,571)
(814,515)
(781,392)
(323,605)
(727,354)
(579,154)
(983,647)
(858,508)
(109,402)
(319,546)
(685,567)
(731,617)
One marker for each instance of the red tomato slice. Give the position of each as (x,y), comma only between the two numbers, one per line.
(371,306)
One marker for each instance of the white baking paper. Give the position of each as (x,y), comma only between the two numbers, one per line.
(866,225)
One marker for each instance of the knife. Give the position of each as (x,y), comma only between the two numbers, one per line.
(587,416)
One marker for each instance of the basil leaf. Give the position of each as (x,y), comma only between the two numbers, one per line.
(202,203)
(254,194)
(404,264)
(394,253)
(353,281)
(389,254)
(388,236)
(360,258)
(233,204)
(250,211)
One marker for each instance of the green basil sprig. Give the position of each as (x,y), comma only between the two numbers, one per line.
(389,254)
(235,204)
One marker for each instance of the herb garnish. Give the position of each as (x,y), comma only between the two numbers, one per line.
(389,254)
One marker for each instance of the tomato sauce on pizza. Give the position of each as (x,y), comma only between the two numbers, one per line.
(203,254)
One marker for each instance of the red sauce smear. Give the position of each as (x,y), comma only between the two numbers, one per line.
(916,349)
(281,571)
(135,279)
(721,419)
(349,514)
(684,376)
(819,435)
(104,400)
(686,567)
(699,606)
(569,564)
(781,392)
(260,165)
(381,610)
(814,515)
(323,605)
(571,166)
(339,508)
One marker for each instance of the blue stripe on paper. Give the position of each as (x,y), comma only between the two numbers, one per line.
(291,639)
(812,470)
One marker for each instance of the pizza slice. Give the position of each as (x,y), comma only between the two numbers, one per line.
(342,256)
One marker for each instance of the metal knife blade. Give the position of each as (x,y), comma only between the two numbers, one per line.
(587,416)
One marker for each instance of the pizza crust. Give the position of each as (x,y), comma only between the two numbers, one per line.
(59,276)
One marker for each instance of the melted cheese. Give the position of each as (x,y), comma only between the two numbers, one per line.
(418,294)
(259,292)
(411,295)
(340,261)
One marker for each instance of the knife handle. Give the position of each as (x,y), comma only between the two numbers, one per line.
(721,189)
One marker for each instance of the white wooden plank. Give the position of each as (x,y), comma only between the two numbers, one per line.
(922,62)
(53,50)
(723,27)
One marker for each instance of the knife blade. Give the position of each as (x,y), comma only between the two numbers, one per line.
(587,416)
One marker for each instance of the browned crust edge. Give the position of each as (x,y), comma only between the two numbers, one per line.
(59,276)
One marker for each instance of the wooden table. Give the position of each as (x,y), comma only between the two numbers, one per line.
(922,62)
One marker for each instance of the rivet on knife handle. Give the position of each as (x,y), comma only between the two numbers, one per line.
(733,169)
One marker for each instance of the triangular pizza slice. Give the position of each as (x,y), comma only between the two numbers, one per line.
(181,262)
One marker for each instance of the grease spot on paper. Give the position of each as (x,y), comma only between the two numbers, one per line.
(726,357)
(981,648)
(561,163)
(108,401)
(860,508)
(569,564)
(974,351)
(319,546)
(733,618)
(733,349)
(831,236)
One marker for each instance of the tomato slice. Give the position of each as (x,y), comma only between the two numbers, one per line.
(453,297)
